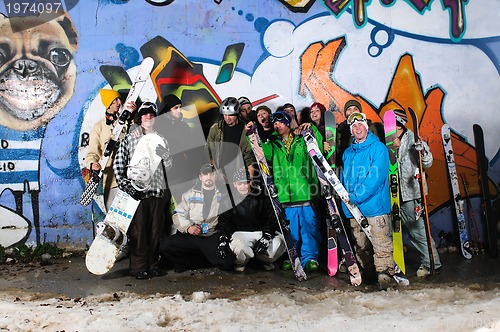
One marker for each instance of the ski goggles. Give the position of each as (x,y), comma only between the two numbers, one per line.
(281,116)
(148,107)
(356,117)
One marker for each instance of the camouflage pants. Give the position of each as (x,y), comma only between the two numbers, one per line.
(380,252)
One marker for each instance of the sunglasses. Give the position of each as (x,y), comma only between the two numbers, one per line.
(355,117)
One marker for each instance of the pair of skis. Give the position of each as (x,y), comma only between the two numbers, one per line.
(336,233)
(334,223)
(254,138)
(325,172)
(135,89)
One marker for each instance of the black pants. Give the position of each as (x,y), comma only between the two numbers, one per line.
(190,252)
(146,230)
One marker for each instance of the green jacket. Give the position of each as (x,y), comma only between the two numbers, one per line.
(294,174)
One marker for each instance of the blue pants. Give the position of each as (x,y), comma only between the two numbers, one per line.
(305,232)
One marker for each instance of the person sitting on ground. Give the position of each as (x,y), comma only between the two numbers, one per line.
(194,245)
(250,229)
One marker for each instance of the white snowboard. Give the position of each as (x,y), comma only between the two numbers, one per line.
(101,256)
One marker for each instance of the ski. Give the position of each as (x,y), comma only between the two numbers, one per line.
(332,178)
(421,182)
(322,167)
(134,91)
(336,233)
(474,229)
(397,229)
(457,198)
(334,221)
(253,137)
(332,213)
(330,136)
(482,164)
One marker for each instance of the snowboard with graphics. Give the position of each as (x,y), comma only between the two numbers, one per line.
(397,229)
(457,198)
(112,232)
(332,257)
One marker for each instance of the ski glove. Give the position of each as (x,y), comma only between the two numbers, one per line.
(419,146)
(223,247)
(260,247)
(135,194)
(164,153)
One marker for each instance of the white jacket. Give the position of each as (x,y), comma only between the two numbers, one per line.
(408,167)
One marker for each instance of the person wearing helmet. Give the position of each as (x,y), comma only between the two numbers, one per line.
(148,223)
(227,145)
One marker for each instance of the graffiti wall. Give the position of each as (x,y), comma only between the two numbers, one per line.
(440,58)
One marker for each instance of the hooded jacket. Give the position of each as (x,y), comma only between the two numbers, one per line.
(365,176)
(294,173)
(408,166)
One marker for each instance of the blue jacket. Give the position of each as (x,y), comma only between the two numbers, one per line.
(365,176)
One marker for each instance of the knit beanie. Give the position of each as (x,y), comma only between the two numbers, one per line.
(401,117)
(321,107)
(170,101)
(244,100)
(108,96)
(357,117)
(264,108)
(241,175)
(352,102)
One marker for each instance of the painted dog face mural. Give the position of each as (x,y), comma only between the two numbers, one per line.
(37,71)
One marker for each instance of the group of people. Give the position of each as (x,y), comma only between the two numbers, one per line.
(224,216)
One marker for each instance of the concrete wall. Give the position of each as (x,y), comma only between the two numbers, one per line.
(441,58)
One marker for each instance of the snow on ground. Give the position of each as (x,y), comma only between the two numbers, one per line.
(452,308)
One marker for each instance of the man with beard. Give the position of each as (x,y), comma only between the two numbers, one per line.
(179,137)
(195,242)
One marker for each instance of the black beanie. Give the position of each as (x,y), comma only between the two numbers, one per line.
(170,101)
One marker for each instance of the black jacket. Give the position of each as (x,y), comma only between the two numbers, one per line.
(254,213)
